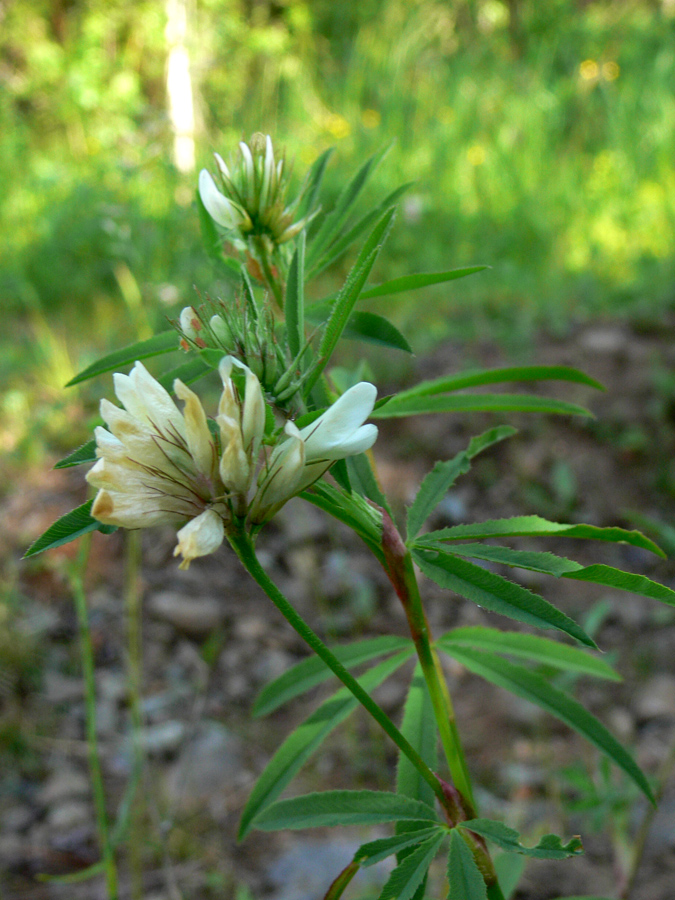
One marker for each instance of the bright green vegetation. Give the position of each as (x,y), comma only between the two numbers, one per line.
(540,135)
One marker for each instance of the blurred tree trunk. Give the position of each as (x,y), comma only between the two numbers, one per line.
(179,86)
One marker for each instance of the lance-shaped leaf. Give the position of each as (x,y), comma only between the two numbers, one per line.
(535,526)
(310,191)
(73,525)
(349,294)
(84,454)
(444,474)
(154,346)
(419,727)
(188,372)
(528,646)
(479,377)
(310,672)
(419,280)
(307,738)
(527,684)
(624,581)
(546,563)
(352,509)
(375,851)
(330,808)
(412,870)
(370,328)
(397,405)
(549,847)
(344,242)
(333,222)
(294,302)
(495,593)
(464,877)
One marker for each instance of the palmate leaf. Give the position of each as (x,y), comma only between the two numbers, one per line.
(528,646)
(164,342)
(305,675)
(412,870)
(307,738)
(330,808)
(549,847)
(464,877)
(68,528)
(444,474)
(494,592)
(527,684)
(334,221)
(535,526)
(399,405)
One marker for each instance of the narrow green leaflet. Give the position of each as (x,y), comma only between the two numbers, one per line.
(349,294)
(419,280)
(509,868)
(495,593)
(314,181)
(333,222)
(444,474)
(419,727)
(352,509)
(479,377)
(364,480)
(294,302)
(374,329)
(84,454)
(535,526)
(549,847)
(547,563)
(305,675)
(527,684)
(154,346)
(73,525)
(399,405)
(376,851)
(624,581)
(343,243)
(411,872)
(307,738)
(528,646)
(188,373)
(330,808)
(464,877)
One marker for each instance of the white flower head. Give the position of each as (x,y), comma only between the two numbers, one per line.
(199,537)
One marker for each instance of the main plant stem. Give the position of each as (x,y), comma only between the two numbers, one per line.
(75,571)
(243,547)
(399,567)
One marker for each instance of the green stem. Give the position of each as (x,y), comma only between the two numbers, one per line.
(270,278)
(399,567)
(87,655)
(243,547)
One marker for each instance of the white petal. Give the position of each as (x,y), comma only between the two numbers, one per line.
(199,440)
(218,207)
(337,425)
(220,162)
(199,537)
(248,163)
(360,441)
(126,511)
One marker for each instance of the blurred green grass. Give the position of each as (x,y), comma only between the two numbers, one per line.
(540,137)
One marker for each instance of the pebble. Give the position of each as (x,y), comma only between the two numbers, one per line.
(657,698)
(60,688)
(163,738)
(69,815)
(17,818)
(196,617)
(64,784)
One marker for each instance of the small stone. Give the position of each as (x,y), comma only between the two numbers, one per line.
(163,738)
(17,818)
(250,628)
(657,698)
(64,784)
(604,339)
(69,815)
(62,688)
(196,617)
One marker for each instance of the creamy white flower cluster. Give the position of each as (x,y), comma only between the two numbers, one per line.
(252,199)
(158,465)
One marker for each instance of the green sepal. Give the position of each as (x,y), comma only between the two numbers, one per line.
(352,509)
(73,525)
(164,342)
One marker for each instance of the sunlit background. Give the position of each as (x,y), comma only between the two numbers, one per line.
(540,137)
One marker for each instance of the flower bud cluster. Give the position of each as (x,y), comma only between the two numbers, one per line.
(160,466)
(249,200)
